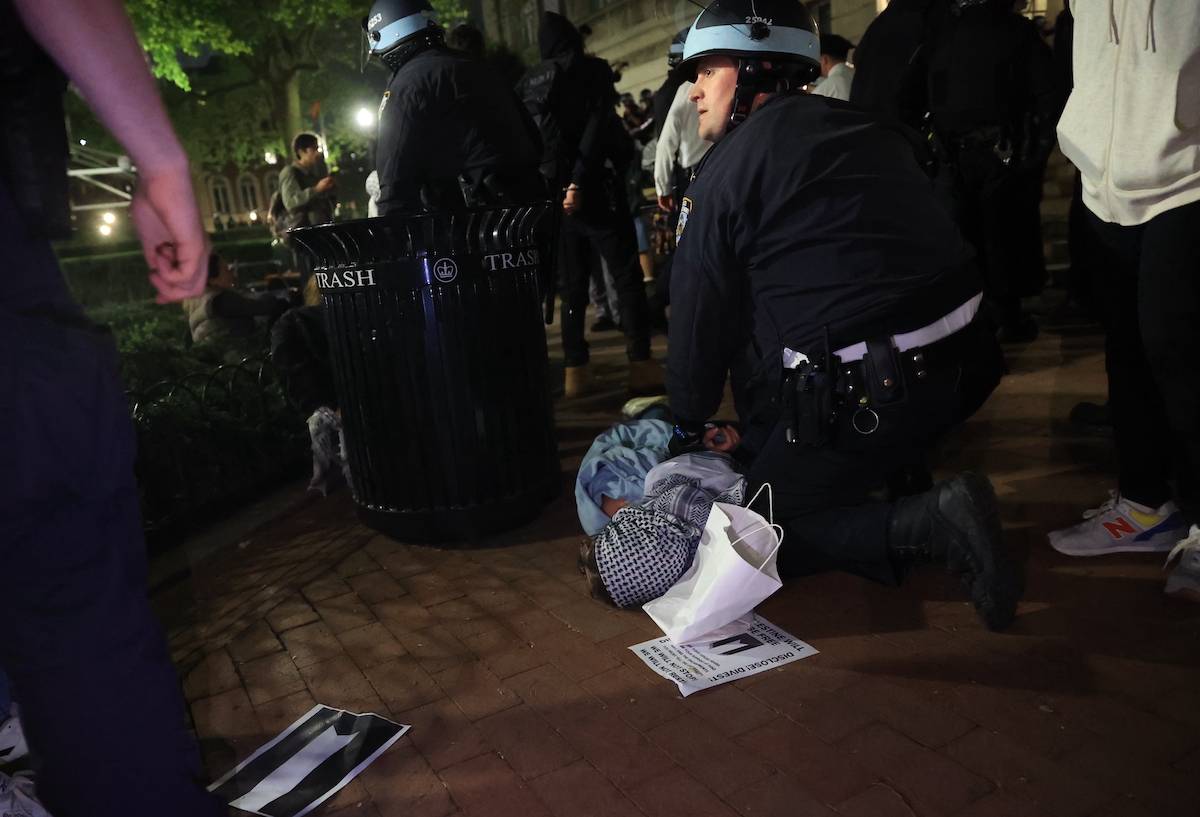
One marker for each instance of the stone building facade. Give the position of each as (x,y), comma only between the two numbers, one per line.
(634,34)
(236,197)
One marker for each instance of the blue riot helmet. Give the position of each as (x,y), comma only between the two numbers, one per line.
(774,43)
(397,29)
(675,50)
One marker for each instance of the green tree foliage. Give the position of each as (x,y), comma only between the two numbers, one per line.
(243,75)
(449,12)
(169,28)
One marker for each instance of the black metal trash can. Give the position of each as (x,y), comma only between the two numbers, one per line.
(439,354)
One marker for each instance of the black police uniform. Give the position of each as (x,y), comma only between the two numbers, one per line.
(889,65)
(99,698)
(445,115)
(993,104)
(981,79)
(586,144)
(811,227)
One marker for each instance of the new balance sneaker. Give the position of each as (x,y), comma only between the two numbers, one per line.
(1120,526)
(12,739)
(1184,580)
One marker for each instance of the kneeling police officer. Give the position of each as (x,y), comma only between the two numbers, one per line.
(815,266)
(450,130)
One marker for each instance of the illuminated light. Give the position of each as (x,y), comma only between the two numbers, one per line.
(254,215)
(109,218)
(83,143)
(270,158)
(105,230)
(364,118)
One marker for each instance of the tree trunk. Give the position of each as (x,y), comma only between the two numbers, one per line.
(293,124)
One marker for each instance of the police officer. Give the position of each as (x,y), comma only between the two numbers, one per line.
(815,266)
(978,76)
(993,105)
(450,131)
(586,151)
(889,62)
(99,698)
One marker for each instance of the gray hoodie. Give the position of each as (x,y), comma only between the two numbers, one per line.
(1132,123)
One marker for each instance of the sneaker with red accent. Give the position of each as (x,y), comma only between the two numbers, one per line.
(1121,526)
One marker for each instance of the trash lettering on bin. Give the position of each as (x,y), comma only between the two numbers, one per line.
(344,279)
(511,260)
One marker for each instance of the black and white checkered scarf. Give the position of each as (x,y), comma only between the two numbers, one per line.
(649,545)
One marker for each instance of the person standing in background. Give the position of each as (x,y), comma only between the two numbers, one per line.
(1132,127)
(837,75)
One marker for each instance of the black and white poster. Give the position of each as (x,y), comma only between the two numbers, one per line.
(306,765)
(738,652)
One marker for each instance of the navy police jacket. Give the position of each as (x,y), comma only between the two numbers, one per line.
(446,115)
(811,217)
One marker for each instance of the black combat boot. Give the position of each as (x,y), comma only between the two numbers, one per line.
(956,523)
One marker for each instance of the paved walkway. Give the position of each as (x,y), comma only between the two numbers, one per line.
(524,699)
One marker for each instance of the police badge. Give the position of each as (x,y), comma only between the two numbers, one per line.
(685,207)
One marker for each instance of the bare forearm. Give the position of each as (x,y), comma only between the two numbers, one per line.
(94,43)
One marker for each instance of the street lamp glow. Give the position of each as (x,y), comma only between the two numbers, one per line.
(364,118)
(105,230)
(254,215)
(109,218)
(83,143)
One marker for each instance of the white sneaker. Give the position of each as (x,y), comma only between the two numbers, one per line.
(1185,578)
(12,738)
(17,798)
(1121,526)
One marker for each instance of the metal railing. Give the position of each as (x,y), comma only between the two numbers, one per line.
(214,439)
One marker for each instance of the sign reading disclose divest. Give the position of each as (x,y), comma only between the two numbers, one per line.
(760,646)
(306,765)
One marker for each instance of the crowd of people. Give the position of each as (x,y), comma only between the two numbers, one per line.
(854,231)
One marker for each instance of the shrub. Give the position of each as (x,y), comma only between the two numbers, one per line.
(214,427)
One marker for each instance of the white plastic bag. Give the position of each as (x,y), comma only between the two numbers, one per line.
(733,572)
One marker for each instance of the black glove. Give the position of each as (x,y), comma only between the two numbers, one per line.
(688,437)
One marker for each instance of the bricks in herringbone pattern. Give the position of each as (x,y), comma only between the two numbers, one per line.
(525,700)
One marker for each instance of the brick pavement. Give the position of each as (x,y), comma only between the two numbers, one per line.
(525,701)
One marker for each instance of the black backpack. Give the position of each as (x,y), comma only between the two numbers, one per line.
(540,90)
(891,62)
(277,218)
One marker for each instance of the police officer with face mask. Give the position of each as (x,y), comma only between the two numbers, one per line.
(450,130)
(815,267)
